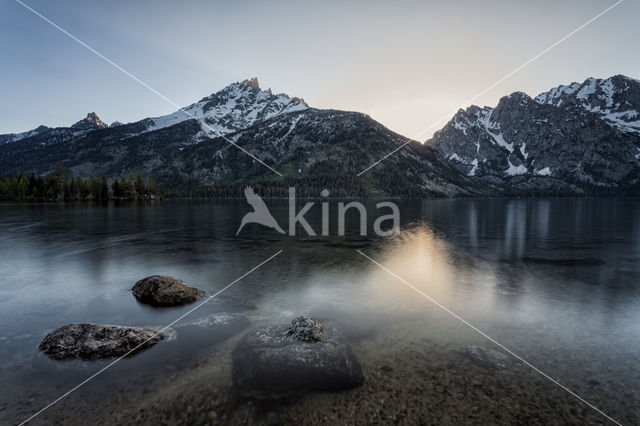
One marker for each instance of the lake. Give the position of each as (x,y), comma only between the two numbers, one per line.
(557,282)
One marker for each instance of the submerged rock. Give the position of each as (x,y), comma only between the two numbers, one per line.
(306,329)
(306,355)
(358,320)
(97,341)
(219,322)
(213,328)
(158,290)
(486,358)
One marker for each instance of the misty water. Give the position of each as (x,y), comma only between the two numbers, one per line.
(555,281)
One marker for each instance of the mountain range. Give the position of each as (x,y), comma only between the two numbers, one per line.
(582,138)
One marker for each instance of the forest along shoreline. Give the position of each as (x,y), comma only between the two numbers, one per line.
(62,186)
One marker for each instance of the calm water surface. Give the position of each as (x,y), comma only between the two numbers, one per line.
(556,281)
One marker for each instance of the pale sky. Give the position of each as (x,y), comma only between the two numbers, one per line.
(405,63)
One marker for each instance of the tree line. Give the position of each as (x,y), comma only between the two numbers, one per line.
(306,187)
(63,186)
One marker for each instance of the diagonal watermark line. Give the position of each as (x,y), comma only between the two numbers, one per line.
(458,317)
(473,98)
(385,157)
(93,376)
(174,104)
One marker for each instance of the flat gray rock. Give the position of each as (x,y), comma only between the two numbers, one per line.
(96,341)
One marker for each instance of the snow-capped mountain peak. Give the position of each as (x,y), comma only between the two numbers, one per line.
(584,133)
(614,99)
(15,137)
(237,106)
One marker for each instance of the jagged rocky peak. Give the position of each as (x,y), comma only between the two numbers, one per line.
(91,121)
(509,108)
(235,107)
(517,97)
(615,99)
(251,87)
(252,82)
(592,90)
(584,133)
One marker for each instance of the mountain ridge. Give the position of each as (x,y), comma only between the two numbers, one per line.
(516,147)
(584,134)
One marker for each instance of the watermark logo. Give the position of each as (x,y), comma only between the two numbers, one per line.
(262,216)
(260,213)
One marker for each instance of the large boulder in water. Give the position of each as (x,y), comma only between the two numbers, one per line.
(158,290)
(97,341)
(306,355)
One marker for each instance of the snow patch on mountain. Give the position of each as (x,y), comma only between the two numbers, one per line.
(474,163)
(292,126)
(462,126)
(554,96)
(484,118)
(515,170)
(543,172)
(623,120)
(15,137)
(608,98)
(587,89)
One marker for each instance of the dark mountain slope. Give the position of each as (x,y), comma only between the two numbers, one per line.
(579,138)
(306,146)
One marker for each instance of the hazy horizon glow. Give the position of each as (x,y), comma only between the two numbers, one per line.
(405,64)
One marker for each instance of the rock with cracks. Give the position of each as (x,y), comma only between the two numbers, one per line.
(158,290)
(306,355)
(97,341)
(306,329)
